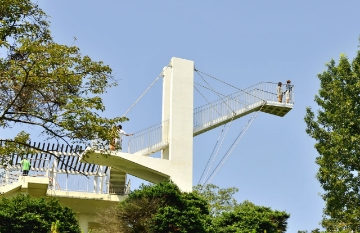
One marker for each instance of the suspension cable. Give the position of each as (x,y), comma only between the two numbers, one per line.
(206,100)
(226,155)
(228,126)
(160,75)
(212,153)
(232,147)
(198,71)
(219,93)
(214,91)
(217,151)
(217,141)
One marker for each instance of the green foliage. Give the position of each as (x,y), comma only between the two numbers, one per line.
(21,18)
(23,213)
(219,200)
(52,87)
(248,217)
(317,230)
(159,208)
(163,208)
(55,227)
(177,212)
(188,214)
(336,129)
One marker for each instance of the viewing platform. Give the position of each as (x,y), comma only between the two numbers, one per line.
(259,97)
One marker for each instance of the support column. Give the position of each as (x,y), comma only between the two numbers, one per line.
(53,173)
(166,107)
(101,182)
(178,105)
(96,184)
(7,176)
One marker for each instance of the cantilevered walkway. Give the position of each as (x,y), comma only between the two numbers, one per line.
(259,97)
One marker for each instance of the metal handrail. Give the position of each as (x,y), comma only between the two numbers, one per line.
(264,91)
(153,136)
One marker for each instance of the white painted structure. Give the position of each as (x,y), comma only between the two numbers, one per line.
(85,188)
(173,137)
(180,123)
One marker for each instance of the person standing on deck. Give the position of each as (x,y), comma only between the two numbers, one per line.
(25,166)
(279,92)
(118,141)
(288,91)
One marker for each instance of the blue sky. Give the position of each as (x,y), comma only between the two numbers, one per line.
(239,42)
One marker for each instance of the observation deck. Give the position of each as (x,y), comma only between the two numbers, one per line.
(132,159)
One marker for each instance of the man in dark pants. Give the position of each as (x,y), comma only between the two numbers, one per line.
(25,166)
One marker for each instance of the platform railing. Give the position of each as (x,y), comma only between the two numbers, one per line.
(268,91)
(152,137)
(62,166)
(11,173)
(66,182)
(241,100)
(9,176)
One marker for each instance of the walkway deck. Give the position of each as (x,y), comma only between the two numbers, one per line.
(261,97)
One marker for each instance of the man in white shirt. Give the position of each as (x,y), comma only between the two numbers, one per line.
(118,141)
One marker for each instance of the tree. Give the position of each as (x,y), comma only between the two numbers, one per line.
(23,213)
(20,18)
(336,129)
(159,208)
(248,217)
(317,230)
(219,199)
(128,216)
(52,87)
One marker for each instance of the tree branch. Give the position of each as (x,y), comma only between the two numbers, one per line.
(16,96)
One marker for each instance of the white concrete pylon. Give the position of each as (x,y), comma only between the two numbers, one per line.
(178,106)
(176,160)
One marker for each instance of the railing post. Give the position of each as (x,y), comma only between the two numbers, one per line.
(7,174)
(108,180)
(96,183)
(53,172)
(128,146)
(101,179)
(46,167)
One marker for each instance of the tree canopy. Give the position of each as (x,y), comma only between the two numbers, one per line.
(247,217)
(23,213)
(164,208)
(219,199)
(160,208)
(49,86)
(336,129)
